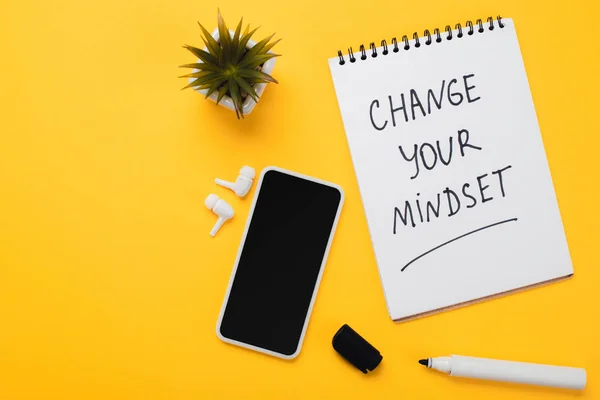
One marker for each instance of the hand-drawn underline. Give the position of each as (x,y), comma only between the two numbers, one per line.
(456,238)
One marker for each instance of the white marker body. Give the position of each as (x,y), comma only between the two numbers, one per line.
(511,371)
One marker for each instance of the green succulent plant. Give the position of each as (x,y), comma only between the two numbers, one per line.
(228,67)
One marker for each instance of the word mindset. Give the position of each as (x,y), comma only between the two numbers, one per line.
(480,190)
(412,105)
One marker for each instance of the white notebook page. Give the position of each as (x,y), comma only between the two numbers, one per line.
(470,93)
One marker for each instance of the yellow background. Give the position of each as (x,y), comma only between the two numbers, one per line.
(110,286)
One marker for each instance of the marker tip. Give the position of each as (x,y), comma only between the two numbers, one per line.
(424,362)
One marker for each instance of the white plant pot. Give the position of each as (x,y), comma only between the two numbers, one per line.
(249,103)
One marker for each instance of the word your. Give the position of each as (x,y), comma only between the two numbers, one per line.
(449,200)
(429,156)
(381,115)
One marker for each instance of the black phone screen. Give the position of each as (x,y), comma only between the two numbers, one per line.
(280,262)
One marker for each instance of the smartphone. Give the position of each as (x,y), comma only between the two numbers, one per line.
(280,262)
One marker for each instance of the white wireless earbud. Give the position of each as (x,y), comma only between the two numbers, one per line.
(243,183)
(219,207)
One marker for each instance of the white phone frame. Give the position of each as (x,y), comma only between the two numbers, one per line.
(318,281)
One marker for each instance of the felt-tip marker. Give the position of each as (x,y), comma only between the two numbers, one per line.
(509,371)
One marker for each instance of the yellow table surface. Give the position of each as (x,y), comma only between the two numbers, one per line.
(110,285)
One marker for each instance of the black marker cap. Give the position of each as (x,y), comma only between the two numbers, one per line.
(356,349)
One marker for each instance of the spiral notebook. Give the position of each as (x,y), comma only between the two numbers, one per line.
(451,166)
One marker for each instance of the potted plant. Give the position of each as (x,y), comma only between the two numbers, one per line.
(232,70)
